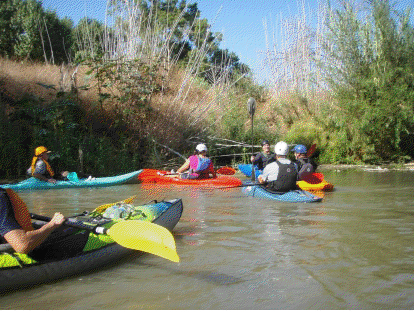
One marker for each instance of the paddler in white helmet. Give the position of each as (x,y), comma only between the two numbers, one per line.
(199,166)
(280,175)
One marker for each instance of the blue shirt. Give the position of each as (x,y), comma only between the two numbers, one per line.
(7,220)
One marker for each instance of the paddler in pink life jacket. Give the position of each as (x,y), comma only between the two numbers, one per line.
(199,166)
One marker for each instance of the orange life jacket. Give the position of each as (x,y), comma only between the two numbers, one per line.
(21,213)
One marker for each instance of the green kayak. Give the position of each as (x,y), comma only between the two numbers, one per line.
(70,251)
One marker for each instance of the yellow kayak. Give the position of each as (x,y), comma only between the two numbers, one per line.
(315,182)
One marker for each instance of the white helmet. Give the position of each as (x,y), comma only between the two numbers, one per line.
(201,148)
(281,148)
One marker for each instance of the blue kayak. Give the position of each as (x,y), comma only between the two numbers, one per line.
(296,196)
(35,184)
(247,170)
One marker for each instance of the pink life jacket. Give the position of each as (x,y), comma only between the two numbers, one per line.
(200,167)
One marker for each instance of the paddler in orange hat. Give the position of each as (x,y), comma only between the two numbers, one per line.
(41,169)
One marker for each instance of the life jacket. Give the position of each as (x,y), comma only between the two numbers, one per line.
(199,167)
(49,171)
(264,160)
(21,213)
(305,167)
(286,178)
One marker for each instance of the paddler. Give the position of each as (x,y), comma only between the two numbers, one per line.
(280,175)
(265,157)
(305,164)
(199,166)
(41,169)
(16,227)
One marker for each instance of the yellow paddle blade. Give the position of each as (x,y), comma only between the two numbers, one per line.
(102,208)
(145,236)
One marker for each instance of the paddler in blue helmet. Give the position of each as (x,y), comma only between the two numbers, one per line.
(265,157)
(305,164)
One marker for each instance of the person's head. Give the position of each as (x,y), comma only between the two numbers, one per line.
(281,149)
(300,150)
(42,152)
(201,149)
(266,146)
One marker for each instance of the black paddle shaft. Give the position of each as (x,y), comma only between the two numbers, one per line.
(251,105)
(73,223)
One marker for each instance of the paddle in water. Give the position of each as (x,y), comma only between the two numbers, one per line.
(251,105)
(133,234)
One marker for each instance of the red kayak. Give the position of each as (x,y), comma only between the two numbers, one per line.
(164,177)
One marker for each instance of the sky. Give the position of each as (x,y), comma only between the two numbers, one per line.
(240,21)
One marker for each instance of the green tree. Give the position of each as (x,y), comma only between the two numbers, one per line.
(27,31)
(8,28)
(371,72)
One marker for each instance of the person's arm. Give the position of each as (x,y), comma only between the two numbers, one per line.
(256,159)
(24,242)
(184,167)
(314,164)
(263,177)
(43,178)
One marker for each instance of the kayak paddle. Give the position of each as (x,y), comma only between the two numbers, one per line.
(311,150)
(251,105)
(132,234)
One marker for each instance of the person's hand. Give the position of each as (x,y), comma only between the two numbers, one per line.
(252,158)
(260,179)
(51,180)
(57,219)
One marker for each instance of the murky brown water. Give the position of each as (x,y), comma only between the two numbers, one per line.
(354,250)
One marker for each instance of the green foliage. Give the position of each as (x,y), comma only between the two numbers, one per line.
(27,31)
(303,132)
(88,40)
(182,24)
(8,29)
(372,78)
(130,84)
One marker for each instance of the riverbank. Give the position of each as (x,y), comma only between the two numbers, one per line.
(384,167)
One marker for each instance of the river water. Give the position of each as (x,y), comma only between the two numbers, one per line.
(354,250)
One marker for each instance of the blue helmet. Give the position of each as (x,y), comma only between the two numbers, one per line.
(301,149)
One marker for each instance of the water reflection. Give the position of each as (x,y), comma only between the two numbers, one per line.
(352,250)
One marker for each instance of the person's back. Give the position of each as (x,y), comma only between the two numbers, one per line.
(280,175)
(305,166)
(199,165)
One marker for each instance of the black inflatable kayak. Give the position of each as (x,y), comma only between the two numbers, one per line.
(96,251)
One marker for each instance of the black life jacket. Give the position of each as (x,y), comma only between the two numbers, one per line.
(286,178)
(305,166)
(264,160)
